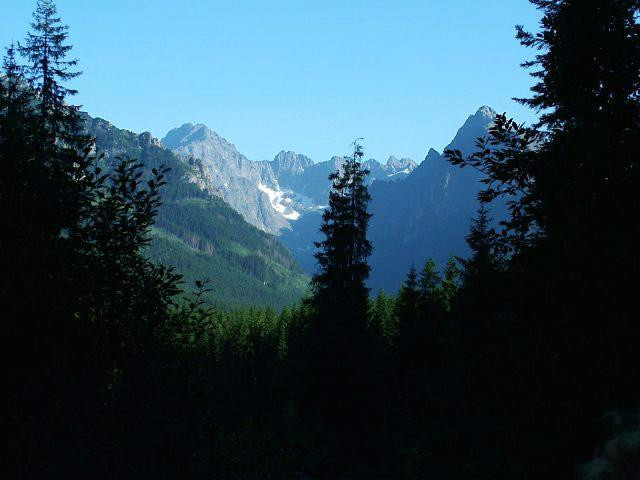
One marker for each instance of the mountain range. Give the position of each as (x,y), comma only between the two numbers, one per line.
(250,226)
(426,214)
(419,211)
(429,214)
(271,195)
(200,234)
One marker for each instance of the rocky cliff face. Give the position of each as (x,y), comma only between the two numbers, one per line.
(393,170)
(287,165)
(270,195)
(251,188)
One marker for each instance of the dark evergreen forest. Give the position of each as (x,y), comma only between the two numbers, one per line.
(519,362)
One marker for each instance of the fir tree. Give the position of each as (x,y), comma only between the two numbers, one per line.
(47,71)
(450,285)
(342,258)
(51,197)
(407,310)
(81,304)
(430,296)
(15,97)
(16,129)
(571,175)
(383,323)
(340,336)
(429,279)
(19,201)
(484,260)
(61,146)
(481,273)
(572,183)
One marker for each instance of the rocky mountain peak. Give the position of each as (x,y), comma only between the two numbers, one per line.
(477,125)
(274,195)
(397,165)
(146,139)
(250,187)
(487,112)
(199,134)
(393,162)
(290,163)
(175,137)
(432,153)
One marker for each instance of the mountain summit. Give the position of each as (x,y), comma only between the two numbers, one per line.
(197,232)
(268,194)
(249,187)
(419,211)
(425,213)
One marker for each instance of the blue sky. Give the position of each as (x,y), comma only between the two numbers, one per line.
(300,75)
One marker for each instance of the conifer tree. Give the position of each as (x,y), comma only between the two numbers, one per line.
(571,176)
(16,102)
(55,191)
(18,185)
(342,257)
(429,283)
(407,309)
(61,147)
(481,274)
(16,129)
(484,260)
(80,301)
(47,70)
(429,279)
(450,285)
(383,323)
(572,182)
(340,336)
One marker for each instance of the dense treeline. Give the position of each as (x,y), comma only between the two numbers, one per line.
(517,362)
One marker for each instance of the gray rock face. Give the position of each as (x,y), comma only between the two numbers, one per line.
(392,171)
(397,165)
(287,164)
(244,184)
(269,195)
(148,140)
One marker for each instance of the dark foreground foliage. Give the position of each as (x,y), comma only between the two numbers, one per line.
(519,362)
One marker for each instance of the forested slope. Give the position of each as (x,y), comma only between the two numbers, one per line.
(202,236)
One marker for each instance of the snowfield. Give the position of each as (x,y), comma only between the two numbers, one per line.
(278,202)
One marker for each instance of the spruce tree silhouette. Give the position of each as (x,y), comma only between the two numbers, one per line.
(411,342)
(569,240)
(430,305)
(61,145)
(341,365)
(481,273)
(81,305)
(342,256)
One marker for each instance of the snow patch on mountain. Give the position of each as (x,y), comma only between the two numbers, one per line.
(406,171)
(279,202)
